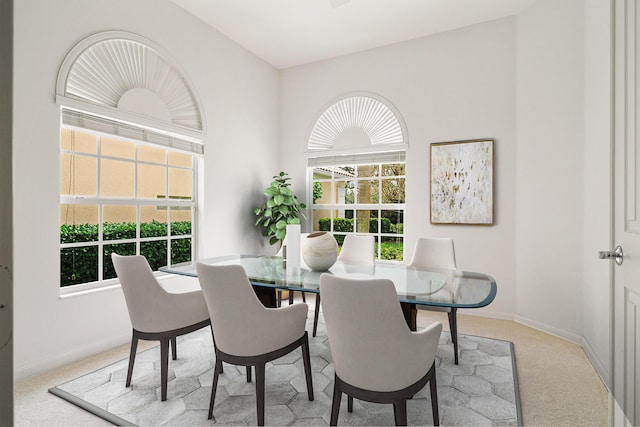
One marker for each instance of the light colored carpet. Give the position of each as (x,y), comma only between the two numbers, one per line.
(558,386)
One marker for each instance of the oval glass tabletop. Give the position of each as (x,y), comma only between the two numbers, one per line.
(446,288)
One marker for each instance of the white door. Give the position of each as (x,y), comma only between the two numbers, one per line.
(625,369)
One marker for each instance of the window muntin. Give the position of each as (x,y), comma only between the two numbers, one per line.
(362,199)
(122,196)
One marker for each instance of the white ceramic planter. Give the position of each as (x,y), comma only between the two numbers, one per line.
(319,251)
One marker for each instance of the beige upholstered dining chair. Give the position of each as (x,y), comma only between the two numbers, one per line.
(438,253)
(434,252)
(155,313)
(245,332)
(359,250)
(376,357)
(356,250)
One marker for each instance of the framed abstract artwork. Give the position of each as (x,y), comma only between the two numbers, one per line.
(462,182)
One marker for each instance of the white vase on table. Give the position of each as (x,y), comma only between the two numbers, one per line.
(292,240)
(319,251)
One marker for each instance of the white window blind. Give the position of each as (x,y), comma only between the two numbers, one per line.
(358,159)
(368,112)
(123,129)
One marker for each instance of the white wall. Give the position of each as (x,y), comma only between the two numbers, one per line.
(597,185)
(235,88)
(550,166)
(451,86)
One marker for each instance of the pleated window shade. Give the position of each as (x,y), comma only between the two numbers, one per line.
(114,127)
(358,159)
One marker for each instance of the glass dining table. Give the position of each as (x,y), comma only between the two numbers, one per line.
(443,290)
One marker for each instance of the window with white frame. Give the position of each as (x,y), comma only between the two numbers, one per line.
(123,196)
(356,154)
(361,195)
(130,140)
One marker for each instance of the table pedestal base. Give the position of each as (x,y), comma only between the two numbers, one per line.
(267,296)
(410,315)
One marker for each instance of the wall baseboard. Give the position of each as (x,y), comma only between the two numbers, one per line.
(560,333)
(601,369)
(482,312)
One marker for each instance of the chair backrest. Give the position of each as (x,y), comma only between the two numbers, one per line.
(358,250)
(236,312)
(141,289)
(432,252)
(371,344)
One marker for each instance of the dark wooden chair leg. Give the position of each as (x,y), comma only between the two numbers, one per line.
(335,404)
(316,314)
(395,413)
(249,374)
(434,397)
(168,340)
(174,348)
(290,297)
(349,403)
(453,326)
(304,299)
(260,392)
(307,365)
(132,357)
(164,367)
(216,372)
(214,344)
(400,412)
(279,303)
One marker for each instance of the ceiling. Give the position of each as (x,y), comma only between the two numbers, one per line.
(286,33)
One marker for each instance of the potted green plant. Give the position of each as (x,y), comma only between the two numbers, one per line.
(281,208)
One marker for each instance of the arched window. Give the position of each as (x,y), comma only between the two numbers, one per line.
(131,133)
(356,162)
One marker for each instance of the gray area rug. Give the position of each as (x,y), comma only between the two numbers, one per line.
(481,390)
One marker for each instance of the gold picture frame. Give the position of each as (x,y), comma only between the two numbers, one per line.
(462,182)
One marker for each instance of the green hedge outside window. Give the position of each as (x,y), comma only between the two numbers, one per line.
(80,264)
